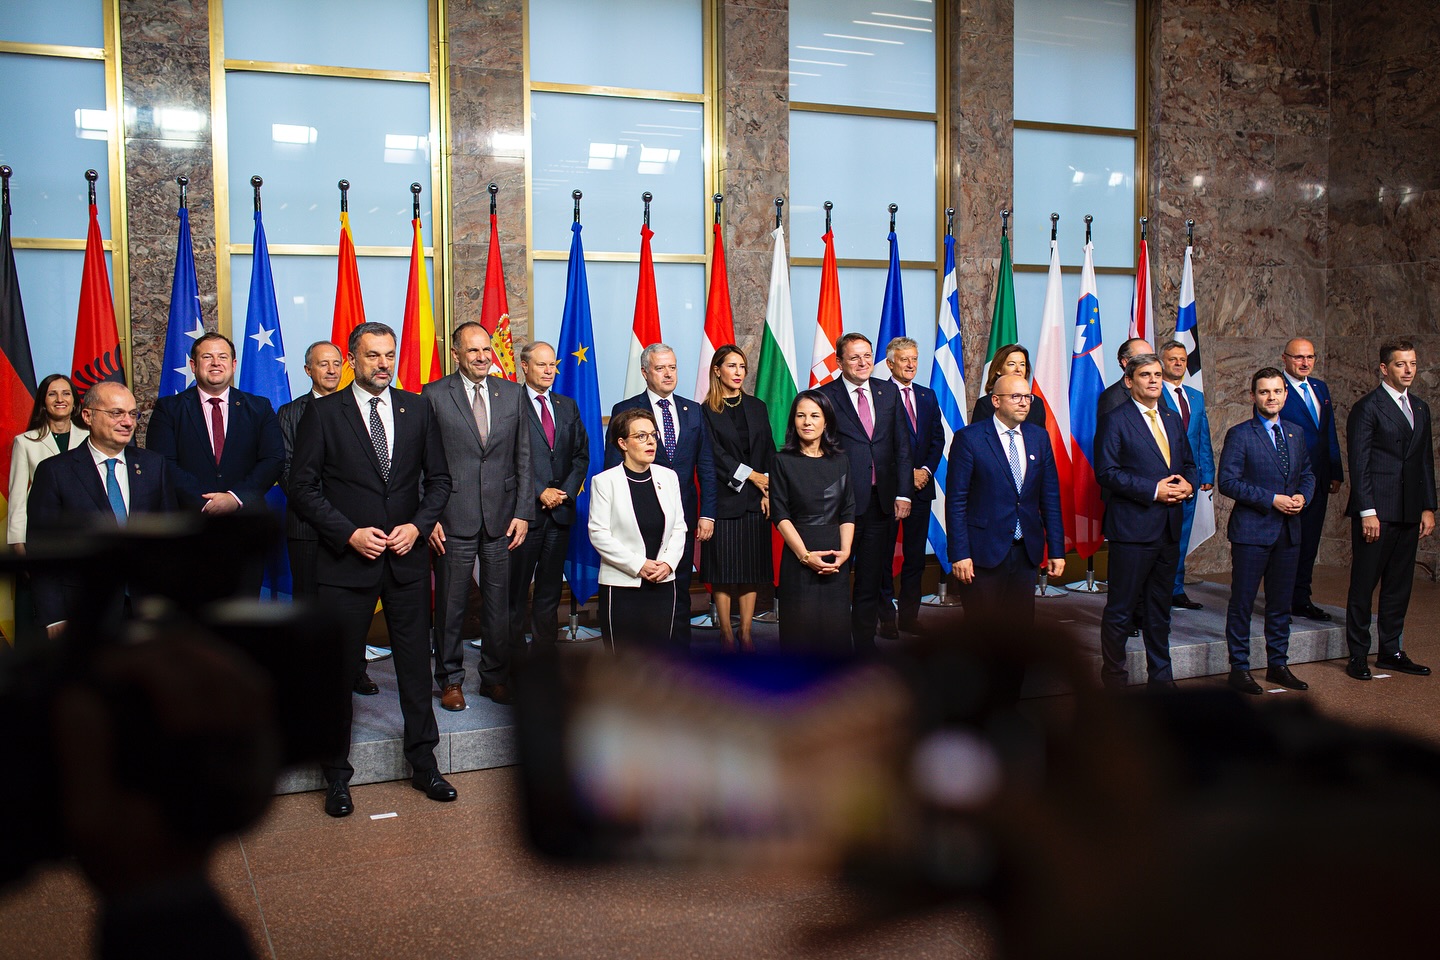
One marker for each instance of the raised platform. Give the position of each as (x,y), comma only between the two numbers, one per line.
(482,736)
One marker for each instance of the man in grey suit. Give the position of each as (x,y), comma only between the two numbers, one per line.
(486,435)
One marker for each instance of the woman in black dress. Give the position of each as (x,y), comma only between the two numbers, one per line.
(737,558)
(1011,358)
(812,505)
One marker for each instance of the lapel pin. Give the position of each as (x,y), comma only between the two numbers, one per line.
(402,409)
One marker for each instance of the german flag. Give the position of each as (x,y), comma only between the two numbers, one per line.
(17,376)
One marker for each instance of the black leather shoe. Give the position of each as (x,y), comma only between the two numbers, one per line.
(337,800)
(1311,612)
(1358,668)
(1183,602)
(365,686)
(1281,675)
(888,630)
(1242,682)
(433,785)
(1403,663)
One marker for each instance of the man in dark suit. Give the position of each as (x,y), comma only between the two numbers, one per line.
(1308,406)
(1002,511)
(927,446)
(1117,393)
(1143,459)
(559,460)
(369,474)
(1392,505)
(685,448)
(223,446)
(487,445)
(875,433)
(1265,469)
(104,479)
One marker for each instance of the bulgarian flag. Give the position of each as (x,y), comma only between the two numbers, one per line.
(349,305)
(419,353)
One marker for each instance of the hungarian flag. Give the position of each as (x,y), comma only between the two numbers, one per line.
(824,365)
(419,353)
(97,339)
(495,308)
(1052,387)
(646,329)
(1142,310)
(719,321)
(1002,320)
(349,305)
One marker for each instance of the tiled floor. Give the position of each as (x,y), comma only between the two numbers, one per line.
(456,880)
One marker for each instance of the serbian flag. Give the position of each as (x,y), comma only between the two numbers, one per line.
(1142,310)
(824,365)
(646,329)
(97,355)
(349,305)
(1087,381)
(495,308)
(1052,387)
(719,320)
(419,353)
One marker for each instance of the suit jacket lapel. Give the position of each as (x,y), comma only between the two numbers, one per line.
(89,478)
(1389,408)
(1002,454)
(846,406)
(461,395)
(351,413)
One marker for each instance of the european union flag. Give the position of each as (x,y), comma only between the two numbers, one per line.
(186,324)
(892,311)
(262,372)
(577,379)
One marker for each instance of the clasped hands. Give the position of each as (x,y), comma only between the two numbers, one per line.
(1289,505)
(816,561)
(654,571)
(1173,489)
(370,542)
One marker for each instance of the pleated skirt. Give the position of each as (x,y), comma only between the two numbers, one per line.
(738,552)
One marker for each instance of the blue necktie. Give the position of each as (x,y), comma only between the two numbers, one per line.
(112,490)
(1282,449)
(669,427)
(1018,475)
(1310,401)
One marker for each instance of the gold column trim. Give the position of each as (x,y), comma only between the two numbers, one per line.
(800,106)
(220,165)
(442,250)
(56,243)
(53,50)
(324,250)
(525,85)
(119,213)
(629,93)
(324,70)
(1081,128)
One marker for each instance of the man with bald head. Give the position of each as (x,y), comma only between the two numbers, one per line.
(1307,405)
(1117,393)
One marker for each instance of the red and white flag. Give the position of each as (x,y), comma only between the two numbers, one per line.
(647,315)
(1142,309)
(719,320)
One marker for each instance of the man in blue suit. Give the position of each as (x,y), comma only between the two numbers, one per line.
(685,448)
(1307,405)
(875,433)
(1002,509)
(1265,469)
(927,445)
(1143,459)
(1190,404)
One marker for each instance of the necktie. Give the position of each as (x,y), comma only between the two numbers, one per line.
(1309,401)
(217,427)
(482,415)
(1017,472)
(547,423)
(909,407)
(1159,433)
(377,438)
(668,425)
(1405,405)
(1184,406)
(862,401)
(112,490)
(1282,449)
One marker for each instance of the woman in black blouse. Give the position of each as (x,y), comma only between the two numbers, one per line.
(1011,358)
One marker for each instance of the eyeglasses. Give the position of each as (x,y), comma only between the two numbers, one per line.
(118,415)
(1301,356)
(1016,397)
(642,437)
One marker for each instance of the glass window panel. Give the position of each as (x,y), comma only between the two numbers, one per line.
(863,53)
(50,290)
(1074,175)
(303,134)
(862,293)
(1114,292)
(680,289)
(76,23)
(636,44)
(60,104)
(374,34)
(1075,62)
(614,150)
(305,296)
(863,164)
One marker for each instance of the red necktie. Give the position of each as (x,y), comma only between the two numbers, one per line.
(546,421)
(217,427)
(909,407)
(1184,406)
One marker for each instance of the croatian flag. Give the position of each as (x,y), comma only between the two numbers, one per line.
(1087,382)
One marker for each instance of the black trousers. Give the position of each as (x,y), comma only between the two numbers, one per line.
(1312,523)
(642,616)
(1142,575)
(540,558)
(1389,562)
(1249,564)
(680,635)
(453,574)
(916,528)
(407,617)
(303,556)
(1004,594)
(871,556)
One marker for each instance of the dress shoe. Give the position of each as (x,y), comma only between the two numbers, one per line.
(1403,663)
(910,625)
(1282,676)
(888,630)
(1357,668)
(365,686)
(1242,682)
(498,692)
(1183,602)
(452,698)
(434,786)
(1311,612)
(337,799)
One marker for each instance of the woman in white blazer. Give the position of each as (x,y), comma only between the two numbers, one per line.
(637,525)
(54,426)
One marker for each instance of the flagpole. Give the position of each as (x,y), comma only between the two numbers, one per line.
(942,597)
(1043,590)
(92,176)
(255,184)
(1090,584)
(773,614)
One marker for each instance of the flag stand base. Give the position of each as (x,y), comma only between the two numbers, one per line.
(1089,584)
(572,632)
(711,620)
(941,597)
(772,615)
(1044,591)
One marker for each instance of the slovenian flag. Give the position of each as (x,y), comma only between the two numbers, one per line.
(1087,382)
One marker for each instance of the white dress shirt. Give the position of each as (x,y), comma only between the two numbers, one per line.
(205,408)
(1002,430)
(122,474)
(387,413)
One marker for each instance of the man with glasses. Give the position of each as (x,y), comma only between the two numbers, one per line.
(1307,405)
(104,479)
(1190,404)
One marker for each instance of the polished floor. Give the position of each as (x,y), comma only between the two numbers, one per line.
(456,880)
